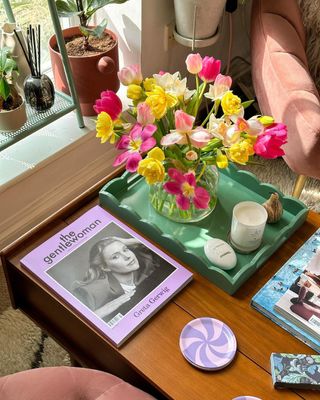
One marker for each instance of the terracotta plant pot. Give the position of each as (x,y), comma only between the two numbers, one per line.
(13,120)
(91,74)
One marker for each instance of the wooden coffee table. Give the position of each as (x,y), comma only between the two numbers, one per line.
(151,358)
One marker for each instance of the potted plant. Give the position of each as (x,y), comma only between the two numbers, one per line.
(92,52)
(12,105)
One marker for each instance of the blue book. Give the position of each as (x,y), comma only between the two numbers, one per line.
(295,371)
(277,287)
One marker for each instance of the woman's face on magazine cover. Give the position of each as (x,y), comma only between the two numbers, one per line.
(119,258)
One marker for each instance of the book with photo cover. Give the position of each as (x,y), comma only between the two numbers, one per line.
(283,301)
(109,274)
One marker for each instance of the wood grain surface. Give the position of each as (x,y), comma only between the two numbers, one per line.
(153,353)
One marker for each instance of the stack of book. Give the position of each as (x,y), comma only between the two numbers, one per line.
(291,298)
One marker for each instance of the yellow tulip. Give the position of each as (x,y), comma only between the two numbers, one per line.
(104,128)
(151,167)
(159,101)
(266,120)
(148,84)
(231,104)
(221,160)
(134,92)
(156,153)
(240,152)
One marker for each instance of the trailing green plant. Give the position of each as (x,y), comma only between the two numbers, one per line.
(9,96)
(84,10)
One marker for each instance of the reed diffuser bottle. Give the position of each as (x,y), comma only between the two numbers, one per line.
(38,88)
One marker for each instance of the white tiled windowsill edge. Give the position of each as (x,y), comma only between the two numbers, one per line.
(25,156)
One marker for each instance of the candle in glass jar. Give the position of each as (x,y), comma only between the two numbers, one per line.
(248,222)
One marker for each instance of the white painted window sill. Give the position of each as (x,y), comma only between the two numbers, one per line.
(23,156)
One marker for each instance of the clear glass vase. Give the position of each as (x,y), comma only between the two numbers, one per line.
(165,203)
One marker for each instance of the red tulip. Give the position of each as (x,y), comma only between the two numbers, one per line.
(210,69)
(110,103)
(268,144)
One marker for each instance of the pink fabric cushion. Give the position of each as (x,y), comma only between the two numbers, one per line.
(67,383)
(283,85)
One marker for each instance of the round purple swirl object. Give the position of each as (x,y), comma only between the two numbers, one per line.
(246,398)
(208,343)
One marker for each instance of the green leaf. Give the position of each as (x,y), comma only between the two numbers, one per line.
(85,31)
(102,3)
(191,104)
(4,89)
(214,143)
(3,58)
(95,5)
(10,66)
(98,31)
(248,103)
(67,8)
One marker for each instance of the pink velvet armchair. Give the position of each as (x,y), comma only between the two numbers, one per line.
(67,383)
(282,82)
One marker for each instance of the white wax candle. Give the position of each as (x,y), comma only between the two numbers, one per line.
(248,223)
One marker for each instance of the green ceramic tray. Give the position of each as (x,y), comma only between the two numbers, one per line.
(127,198)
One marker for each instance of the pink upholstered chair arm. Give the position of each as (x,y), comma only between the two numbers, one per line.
(67,383)
(282,82)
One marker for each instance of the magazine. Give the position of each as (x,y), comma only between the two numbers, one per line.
(107,273)
(301,302)
(283,301)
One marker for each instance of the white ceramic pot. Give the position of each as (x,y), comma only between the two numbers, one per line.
(208,15)
(8,39)
(14,119)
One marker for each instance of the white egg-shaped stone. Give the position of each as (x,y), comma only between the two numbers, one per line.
(220,253)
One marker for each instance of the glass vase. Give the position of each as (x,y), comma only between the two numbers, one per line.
(165,203)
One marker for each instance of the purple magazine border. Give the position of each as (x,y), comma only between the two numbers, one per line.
(128,324)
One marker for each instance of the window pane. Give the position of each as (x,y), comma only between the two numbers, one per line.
(33,12)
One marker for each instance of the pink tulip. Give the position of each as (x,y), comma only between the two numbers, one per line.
(130,75)
(198,137)
(194,63)
(183,121)
(138,141)
(161,72)
(110,103)
(210,69)
(221,85)
(224,80)
(268,144)
(184,187)
(144,114)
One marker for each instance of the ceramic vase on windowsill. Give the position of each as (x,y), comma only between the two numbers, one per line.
(166,204)
(206,14)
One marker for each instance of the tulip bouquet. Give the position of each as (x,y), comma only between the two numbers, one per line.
(163,138)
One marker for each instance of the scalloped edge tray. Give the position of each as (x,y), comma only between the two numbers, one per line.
(127,198)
